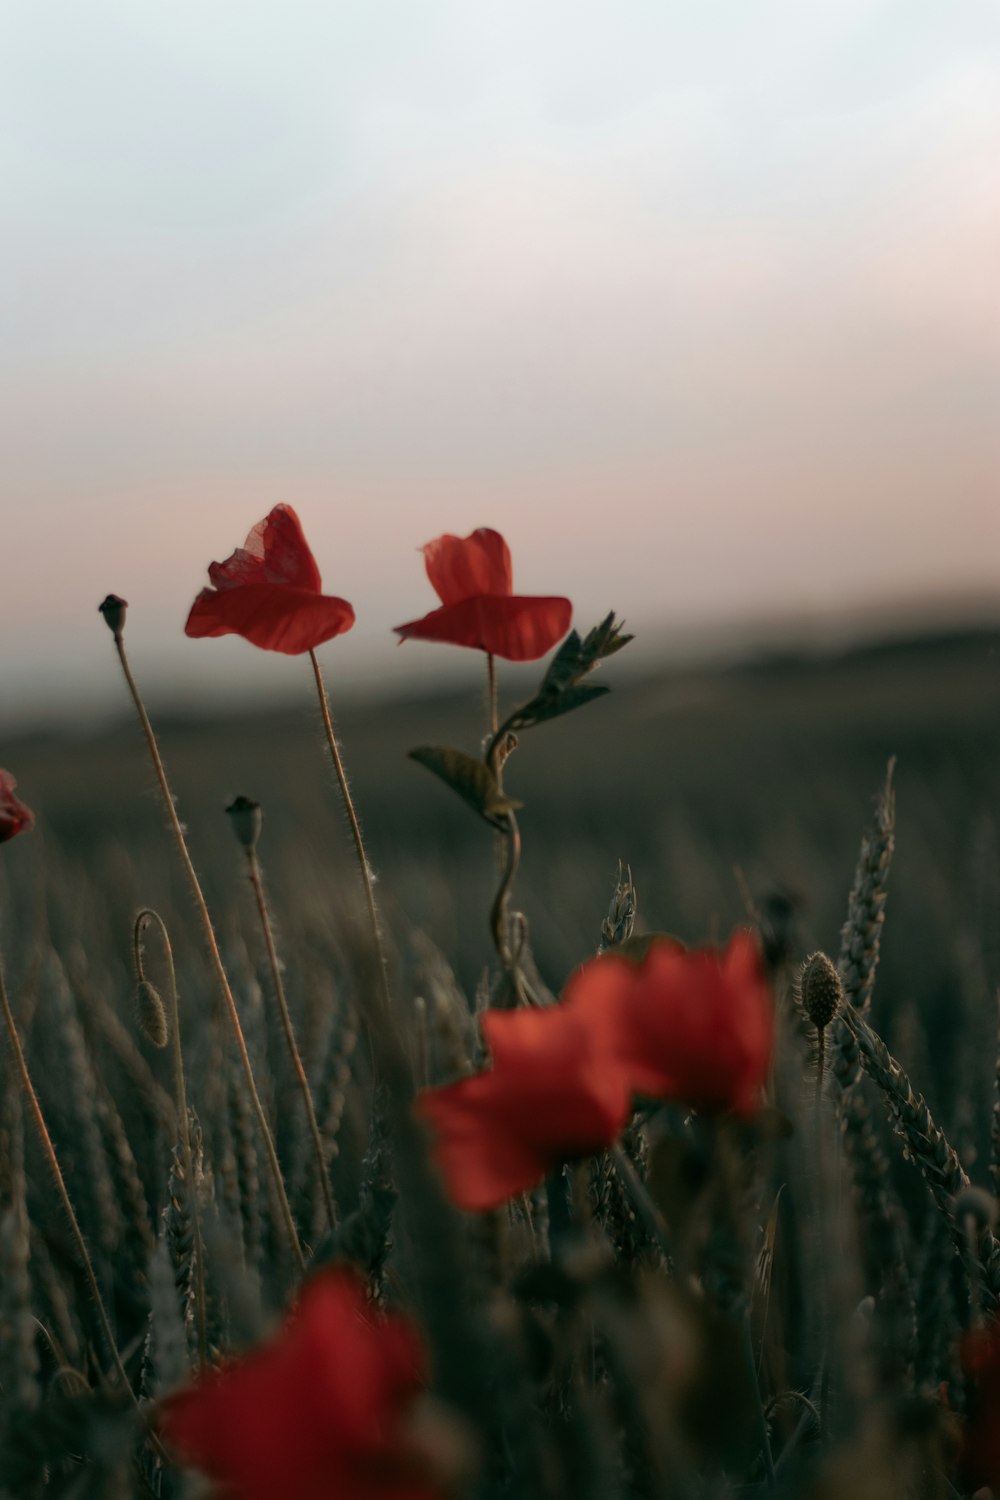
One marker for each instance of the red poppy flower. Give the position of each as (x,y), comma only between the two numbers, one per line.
(472,577)
(14,816)
(268,591)
(693,1026)
(319,1413)
(549,1096)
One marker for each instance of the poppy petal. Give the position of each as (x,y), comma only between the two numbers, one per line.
(15,818)
(275,618)
(696,1025)
(459,567)
(482,1162)
(317,1411)
(515,627)
(549,1097)
(275,552)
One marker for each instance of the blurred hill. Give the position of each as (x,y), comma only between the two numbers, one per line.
(770,765)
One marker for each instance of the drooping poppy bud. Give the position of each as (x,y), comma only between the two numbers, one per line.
(151,1014)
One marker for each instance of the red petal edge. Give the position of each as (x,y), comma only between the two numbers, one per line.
(273,617)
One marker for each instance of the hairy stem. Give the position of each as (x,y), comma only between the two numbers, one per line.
(216,957)
(253,865)
(352,817)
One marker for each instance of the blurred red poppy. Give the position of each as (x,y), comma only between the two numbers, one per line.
(696,1026)
(268,591)
(319,1413)
(14,816)
(472,578)
(980,1356)
(548,1097)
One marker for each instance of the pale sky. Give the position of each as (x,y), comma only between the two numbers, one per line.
(697,303)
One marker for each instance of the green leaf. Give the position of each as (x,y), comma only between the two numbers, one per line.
(576,657)
(564,666)
(472,779)
(560,691)
(542,708)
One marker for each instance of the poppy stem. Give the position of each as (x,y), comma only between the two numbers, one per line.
(508,841)
(498,911)
(352,817)
(253,866)
(820,1060)
(215,955)
(491,691)
(180,1094)
(35,1109)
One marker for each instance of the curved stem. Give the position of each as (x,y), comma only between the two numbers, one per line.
(352,817)
(180,1094)
(215,955)
(498,912)
(253,865)
(35,1109)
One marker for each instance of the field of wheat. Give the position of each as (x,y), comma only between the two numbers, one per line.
(540,1091)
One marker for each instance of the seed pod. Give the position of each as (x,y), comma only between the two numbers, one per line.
(822,991)
(113,609)
(246,816)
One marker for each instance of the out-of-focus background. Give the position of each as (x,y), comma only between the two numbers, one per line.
(695,303)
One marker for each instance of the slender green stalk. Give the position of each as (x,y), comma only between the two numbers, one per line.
(491,691)
(180,1094)
(508,840)
(35,1109)
(820,1060)
(498,913)
(253,866)
(352,817)
(823,1292)
(213,949)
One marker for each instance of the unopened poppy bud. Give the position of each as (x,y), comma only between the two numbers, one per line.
(113,609)
(246,818)
(150,1013)
(822,991)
